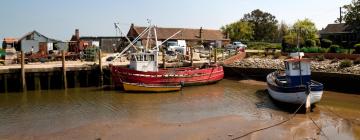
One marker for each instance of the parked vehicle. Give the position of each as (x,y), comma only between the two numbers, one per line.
(178,46)
(237,45)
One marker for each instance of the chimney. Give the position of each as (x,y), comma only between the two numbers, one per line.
(77,34)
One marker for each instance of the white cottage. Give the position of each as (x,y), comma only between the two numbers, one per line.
(36,42)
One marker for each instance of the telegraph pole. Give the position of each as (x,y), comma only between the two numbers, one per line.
(340,19)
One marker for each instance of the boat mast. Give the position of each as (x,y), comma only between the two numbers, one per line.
(298,52)
(131,43)
(157,47)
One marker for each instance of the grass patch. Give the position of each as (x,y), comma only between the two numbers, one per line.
(345,63)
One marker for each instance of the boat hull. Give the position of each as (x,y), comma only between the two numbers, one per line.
(294,95)
(171,76)
(132,87)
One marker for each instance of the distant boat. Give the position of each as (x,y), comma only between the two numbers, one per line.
(295,84)
(135,87)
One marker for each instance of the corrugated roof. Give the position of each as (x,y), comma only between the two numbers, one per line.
(36,32)
(185,34)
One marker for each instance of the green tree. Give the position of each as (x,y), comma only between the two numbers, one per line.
(352,16)
(265,25)
(283,30)
(240,30)
(306,29)
(301,31)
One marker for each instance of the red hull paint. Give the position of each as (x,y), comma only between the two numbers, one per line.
(187,76)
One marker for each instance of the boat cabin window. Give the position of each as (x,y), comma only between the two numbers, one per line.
(287,66)
(295,66)
(152,57)
(139,58)
(146,57)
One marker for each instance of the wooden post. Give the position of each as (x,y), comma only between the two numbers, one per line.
(163,58)
(191,56)
(37,81)
(76,77)
(23,78)
(5,83)
(49,80)
(101,69)
(210,55)
(223,55)
(215,55)
(64,69)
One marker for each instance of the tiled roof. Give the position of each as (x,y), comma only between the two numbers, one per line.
(185,34)
(334,28)
(10,40)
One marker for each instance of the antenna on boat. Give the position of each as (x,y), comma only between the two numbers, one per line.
(149,35)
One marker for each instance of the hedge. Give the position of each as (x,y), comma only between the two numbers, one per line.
(262,45)
(357,48)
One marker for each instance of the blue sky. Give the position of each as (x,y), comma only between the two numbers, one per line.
(59,18)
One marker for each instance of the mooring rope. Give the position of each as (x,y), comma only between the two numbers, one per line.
(318,127)
(291,117)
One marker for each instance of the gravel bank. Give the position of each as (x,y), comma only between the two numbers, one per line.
(329,66)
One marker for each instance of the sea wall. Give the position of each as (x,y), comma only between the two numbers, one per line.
(11,82)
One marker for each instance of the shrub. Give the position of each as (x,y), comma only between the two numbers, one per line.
(313,50)
(277,55)
(357,48)
(334,48)
(346,63)
(262,45)
(320,57)
(2,53)
(357,61)
(335,60)
(310,43)
(326,43)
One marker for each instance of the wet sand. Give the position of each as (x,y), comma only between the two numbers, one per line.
(229,127)
(226,110)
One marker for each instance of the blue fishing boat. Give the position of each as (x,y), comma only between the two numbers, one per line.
(294,85)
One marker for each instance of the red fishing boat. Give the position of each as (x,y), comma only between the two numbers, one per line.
(143,69)
(184,76)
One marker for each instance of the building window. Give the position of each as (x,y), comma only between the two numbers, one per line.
(152,58)
(145,58)
(30,37)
